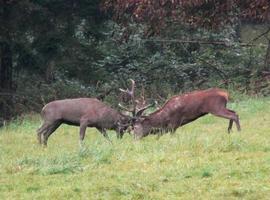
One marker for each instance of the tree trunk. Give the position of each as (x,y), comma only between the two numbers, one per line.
(267,58)
(6,67)
(50,72)
(6,103)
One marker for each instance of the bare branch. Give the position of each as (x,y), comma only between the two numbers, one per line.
(202,42)
(266,73)
(259,36)
(220,72)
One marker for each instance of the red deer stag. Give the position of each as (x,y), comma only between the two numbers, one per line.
(83,112)
(183,109)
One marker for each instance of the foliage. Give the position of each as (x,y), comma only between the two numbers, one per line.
(167,62)
(45,36)
(42,37)
(32,93)
(63,49)
(198,13)
(161,68)
(201,159)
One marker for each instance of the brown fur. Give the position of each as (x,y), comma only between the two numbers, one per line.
(183,109)
(83,112)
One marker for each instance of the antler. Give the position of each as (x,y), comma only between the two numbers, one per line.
(141,110)
(136,112)
(124,108)
(131,94)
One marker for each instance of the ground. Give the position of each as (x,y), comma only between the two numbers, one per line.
(201,161)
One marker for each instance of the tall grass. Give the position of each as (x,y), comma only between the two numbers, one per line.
(201,161)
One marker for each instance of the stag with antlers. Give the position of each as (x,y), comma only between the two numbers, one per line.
(181,110)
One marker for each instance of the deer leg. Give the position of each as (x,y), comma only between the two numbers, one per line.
(230,126)
(236,119)
(83,126)
(43,130)
(237,122)
(160,133)
(172,131)
(120,134)
(229,114)
(40,132)
(49,131)
(104,133)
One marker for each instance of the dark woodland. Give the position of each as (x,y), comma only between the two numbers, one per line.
(56,49)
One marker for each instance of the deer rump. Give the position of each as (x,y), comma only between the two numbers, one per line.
(183,109)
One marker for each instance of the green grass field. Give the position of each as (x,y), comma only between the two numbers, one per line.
(201,161)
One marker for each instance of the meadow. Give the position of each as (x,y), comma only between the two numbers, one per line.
(201,161)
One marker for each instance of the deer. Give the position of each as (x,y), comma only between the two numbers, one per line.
(181,110)
(82,112)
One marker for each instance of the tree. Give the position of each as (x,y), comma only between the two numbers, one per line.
(203,13)
(41,36)
(6,62)
(210,14)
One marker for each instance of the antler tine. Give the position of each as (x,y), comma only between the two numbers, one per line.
(142,96)
(142,93)
(125,91)
(124,108)
(140,111)
(131,93)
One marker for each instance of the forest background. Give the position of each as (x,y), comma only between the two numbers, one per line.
(54,49)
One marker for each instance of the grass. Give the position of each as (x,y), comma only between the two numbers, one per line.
(201,161)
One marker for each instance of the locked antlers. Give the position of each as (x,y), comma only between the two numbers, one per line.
(136,108)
